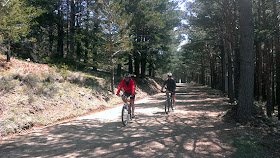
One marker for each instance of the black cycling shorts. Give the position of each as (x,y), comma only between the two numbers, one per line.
(172,92)
(128,94)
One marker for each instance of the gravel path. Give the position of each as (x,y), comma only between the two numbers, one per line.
(193,130)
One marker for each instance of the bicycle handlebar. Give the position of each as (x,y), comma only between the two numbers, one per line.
(167,91)
(125,96)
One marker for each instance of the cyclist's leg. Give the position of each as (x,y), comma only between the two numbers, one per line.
(173,99)
(127,95)
(132,105)
(124,99)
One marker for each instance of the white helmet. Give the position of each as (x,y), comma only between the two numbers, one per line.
(169,74)
(127,75)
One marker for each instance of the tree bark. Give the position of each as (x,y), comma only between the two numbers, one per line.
(136,63)
(246,90)
(202,78)
(277,55)
(268,80)
(119,70)
(143,63)
(72,29)
(237,72)
(50,34)
(112,75)
(259,58)
(60,33)
(130,64)
(9,51)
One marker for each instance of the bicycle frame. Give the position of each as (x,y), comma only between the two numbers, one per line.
(168,102)
(125,111)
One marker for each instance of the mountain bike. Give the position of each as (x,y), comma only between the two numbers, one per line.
(126,116)
(168,102)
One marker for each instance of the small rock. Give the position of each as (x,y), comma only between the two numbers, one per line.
(81,93)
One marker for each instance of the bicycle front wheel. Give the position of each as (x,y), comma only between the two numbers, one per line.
(125,115)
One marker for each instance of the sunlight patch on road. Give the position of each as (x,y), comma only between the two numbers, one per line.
(99,151)
(106,115)
(148,111)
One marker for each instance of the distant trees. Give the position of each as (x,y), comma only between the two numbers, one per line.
(218,50)
(15,22)
(115,37)
(99,34)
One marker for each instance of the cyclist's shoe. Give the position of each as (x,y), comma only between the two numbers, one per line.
(173,107)
(132,116)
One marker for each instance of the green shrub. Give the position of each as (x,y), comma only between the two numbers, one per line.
(31,81)
(77,79)
(7,84)
(47,89)
(18,76)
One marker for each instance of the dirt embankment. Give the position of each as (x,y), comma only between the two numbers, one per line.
(33,94)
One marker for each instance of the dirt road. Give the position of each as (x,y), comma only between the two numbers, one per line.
(193,130)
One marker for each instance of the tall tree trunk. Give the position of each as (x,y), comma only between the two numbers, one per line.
(68,27)
(72,29)
(212,67)
(273,103)
(86,38)
(136,63)
(112,75)
(223,75)
(230,75)
(130,64)
(228,45)
(259,71)
(9,51)
(268,80)
(150,67)
(79,31)
(202,80)
(119,70)
(259,57)
(50,32)
(246,91)
(277,57)
(143,63)
(60,33)
(237,72)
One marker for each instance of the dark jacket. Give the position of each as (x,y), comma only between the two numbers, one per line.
(171,84)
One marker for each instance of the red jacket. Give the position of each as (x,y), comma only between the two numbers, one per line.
(130,88)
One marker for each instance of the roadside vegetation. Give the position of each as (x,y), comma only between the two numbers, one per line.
(37,94)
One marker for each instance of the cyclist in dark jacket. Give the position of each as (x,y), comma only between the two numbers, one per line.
(171,86)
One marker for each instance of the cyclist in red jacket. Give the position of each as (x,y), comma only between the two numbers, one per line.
(127,84)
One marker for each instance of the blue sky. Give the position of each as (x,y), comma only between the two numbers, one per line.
(182,6)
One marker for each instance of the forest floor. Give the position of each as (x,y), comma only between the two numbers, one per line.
(49,124)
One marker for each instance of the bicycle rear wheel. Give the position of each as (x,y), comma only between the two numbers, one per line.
(125,115)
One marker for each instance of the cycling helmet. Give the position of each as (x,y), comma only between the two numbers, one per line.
(169,74)
(127,75)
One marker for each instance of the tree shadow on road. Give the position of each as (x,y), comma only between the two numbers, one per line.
(192,130)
